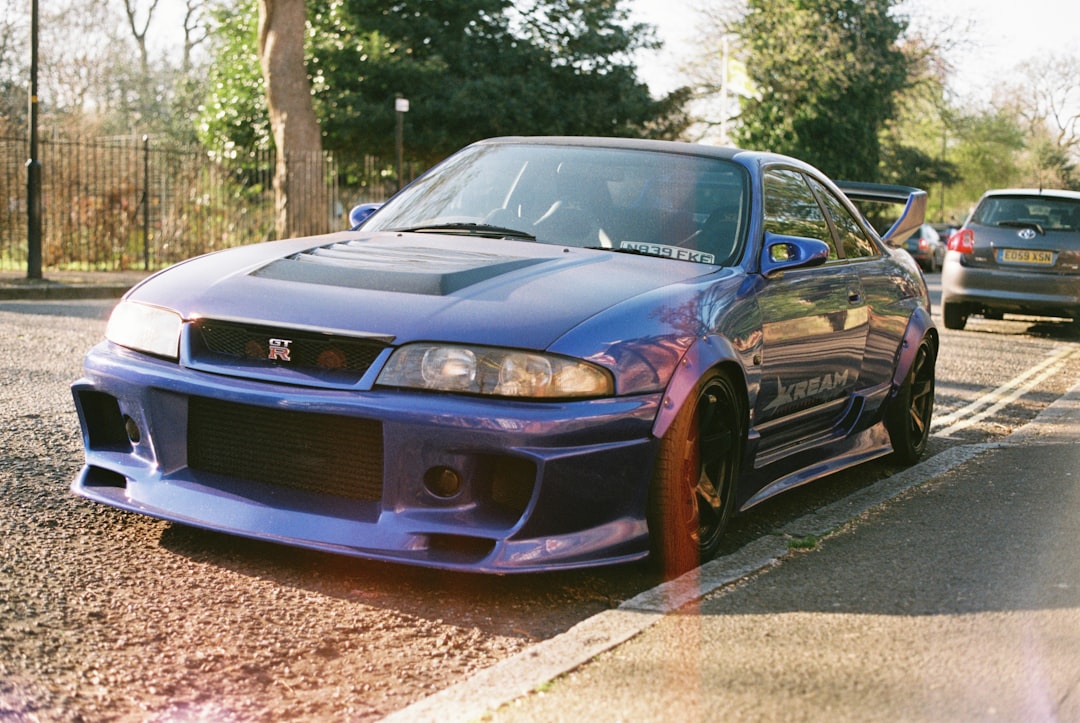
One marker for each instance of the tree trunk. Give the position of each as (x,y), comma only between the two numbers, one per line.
(301,201)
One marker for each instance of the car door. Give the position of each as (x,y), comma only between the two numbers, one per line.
(880,287)
(814,328)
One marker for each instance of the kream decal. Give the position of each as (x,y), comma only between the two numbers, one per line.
(808,389)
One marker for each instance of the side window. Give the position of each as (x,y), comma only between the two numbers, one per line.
(852,237)
(792,210)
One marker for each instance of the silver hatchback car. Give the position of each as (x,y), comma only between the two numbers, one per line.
(1018,253)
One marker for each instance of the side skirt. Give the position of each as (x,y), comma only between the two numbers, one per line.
(869,444)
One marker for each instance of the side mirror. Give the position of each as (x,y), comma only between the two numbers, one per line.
(360,213)
(783,253)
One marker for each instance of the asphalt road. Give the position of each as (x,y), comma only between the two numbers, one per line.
(110,616)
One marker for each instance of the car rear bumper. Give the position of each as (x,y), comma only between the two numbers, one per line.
(539,486)
(1013,290)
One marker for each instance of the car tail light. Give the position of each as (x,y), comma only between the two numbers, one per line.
(963,241)
(923,244)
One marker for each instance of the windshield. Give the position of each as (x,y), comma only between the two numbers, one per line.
(646,202)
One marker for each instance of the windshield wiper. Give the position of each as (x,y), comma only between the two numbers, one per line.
(471,229)
(620,250)
(1023,224)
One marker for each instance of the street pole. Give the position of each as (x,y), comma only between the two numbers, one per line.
(401,105)
(33,166)
(146,202)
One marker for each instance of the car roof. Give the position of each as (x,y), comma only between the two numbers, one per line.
(1047,192)
(682,147)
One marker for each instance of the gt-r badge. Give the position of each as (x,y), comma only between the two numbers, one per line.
(279,349)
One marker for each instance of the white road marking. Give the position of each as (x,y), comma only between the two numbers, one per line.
(992,402)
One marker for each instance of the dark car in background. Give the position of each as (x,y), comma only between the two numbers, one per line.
(543,353)
(1018,253)
(926,247)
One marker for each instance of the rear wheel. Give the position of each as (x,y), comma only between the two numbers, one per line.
(692,495)
(955,315)
(908,419)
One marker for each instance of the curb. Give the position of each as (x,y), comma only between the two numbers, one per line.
(534,667)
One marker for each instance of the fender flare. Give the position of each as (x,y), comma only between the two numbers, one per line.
(919,327)
(706,353)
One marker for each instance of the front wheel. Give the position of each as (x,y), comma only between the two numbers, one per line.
(692,495)
(908,418)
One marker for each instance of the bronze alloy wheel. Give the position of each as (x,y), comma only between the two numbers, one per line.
(908,420)
(693,490)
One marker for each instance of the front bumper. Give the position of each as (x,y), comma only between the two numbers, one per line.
(539,486)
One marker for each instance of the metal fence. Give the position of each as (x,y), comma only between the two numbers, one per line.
(129,203)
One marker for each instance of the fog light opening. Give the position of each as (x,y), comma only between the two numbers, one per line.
(442,482)
(132,430)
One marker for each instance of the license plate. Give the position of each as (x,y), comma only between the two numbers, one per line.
(1026,256)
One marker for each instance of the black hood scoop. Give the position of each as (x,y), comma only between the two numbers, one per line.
(404,269)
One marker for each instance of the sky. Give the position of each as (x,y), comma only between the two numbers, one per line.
(997,35)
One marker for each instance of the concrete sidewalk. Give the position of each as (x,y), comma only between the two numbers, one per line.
(60,285)
(954,595)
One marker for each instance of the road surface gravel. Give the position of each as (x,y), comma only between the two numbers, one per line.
(108,615)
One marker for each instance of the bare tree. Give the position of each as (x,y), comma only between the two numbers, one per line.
(13,99)
(195,31)
(77,78)
(301,199)
(1048,98)
(139,29)
(12,38)
(193,26)
(1045,101)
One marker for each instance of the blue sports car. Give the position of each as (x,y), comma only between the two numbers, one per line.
(544,353)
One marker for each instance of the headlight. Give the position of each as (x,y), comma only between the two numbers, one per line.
(498,372)
(144,328)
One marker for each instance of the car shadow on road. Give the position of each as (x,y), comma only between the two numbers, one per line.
(533,606)
(1026,326)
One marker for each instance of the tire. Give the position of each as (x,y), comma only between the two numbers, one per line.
(955,315)
(908,417)
(692,495)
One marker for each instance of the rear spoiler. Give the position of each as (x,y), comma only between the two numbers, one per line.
(911,217)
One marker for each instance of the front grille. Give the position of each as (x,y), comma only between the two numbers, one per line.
(291,348)
(322,453)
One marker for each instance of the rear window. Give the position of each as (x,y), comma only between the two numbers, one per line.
(1050,214)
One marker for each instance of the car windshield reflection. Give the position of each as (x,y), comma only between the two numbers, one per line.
(659,204)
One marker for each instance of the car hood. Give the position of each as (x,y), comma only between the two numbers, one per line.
(412,286)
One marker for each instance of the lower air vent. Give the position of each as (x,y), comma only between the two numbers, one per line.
(321,453)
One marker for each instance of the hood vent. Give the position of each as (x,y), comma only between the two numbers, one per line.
(403,269)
